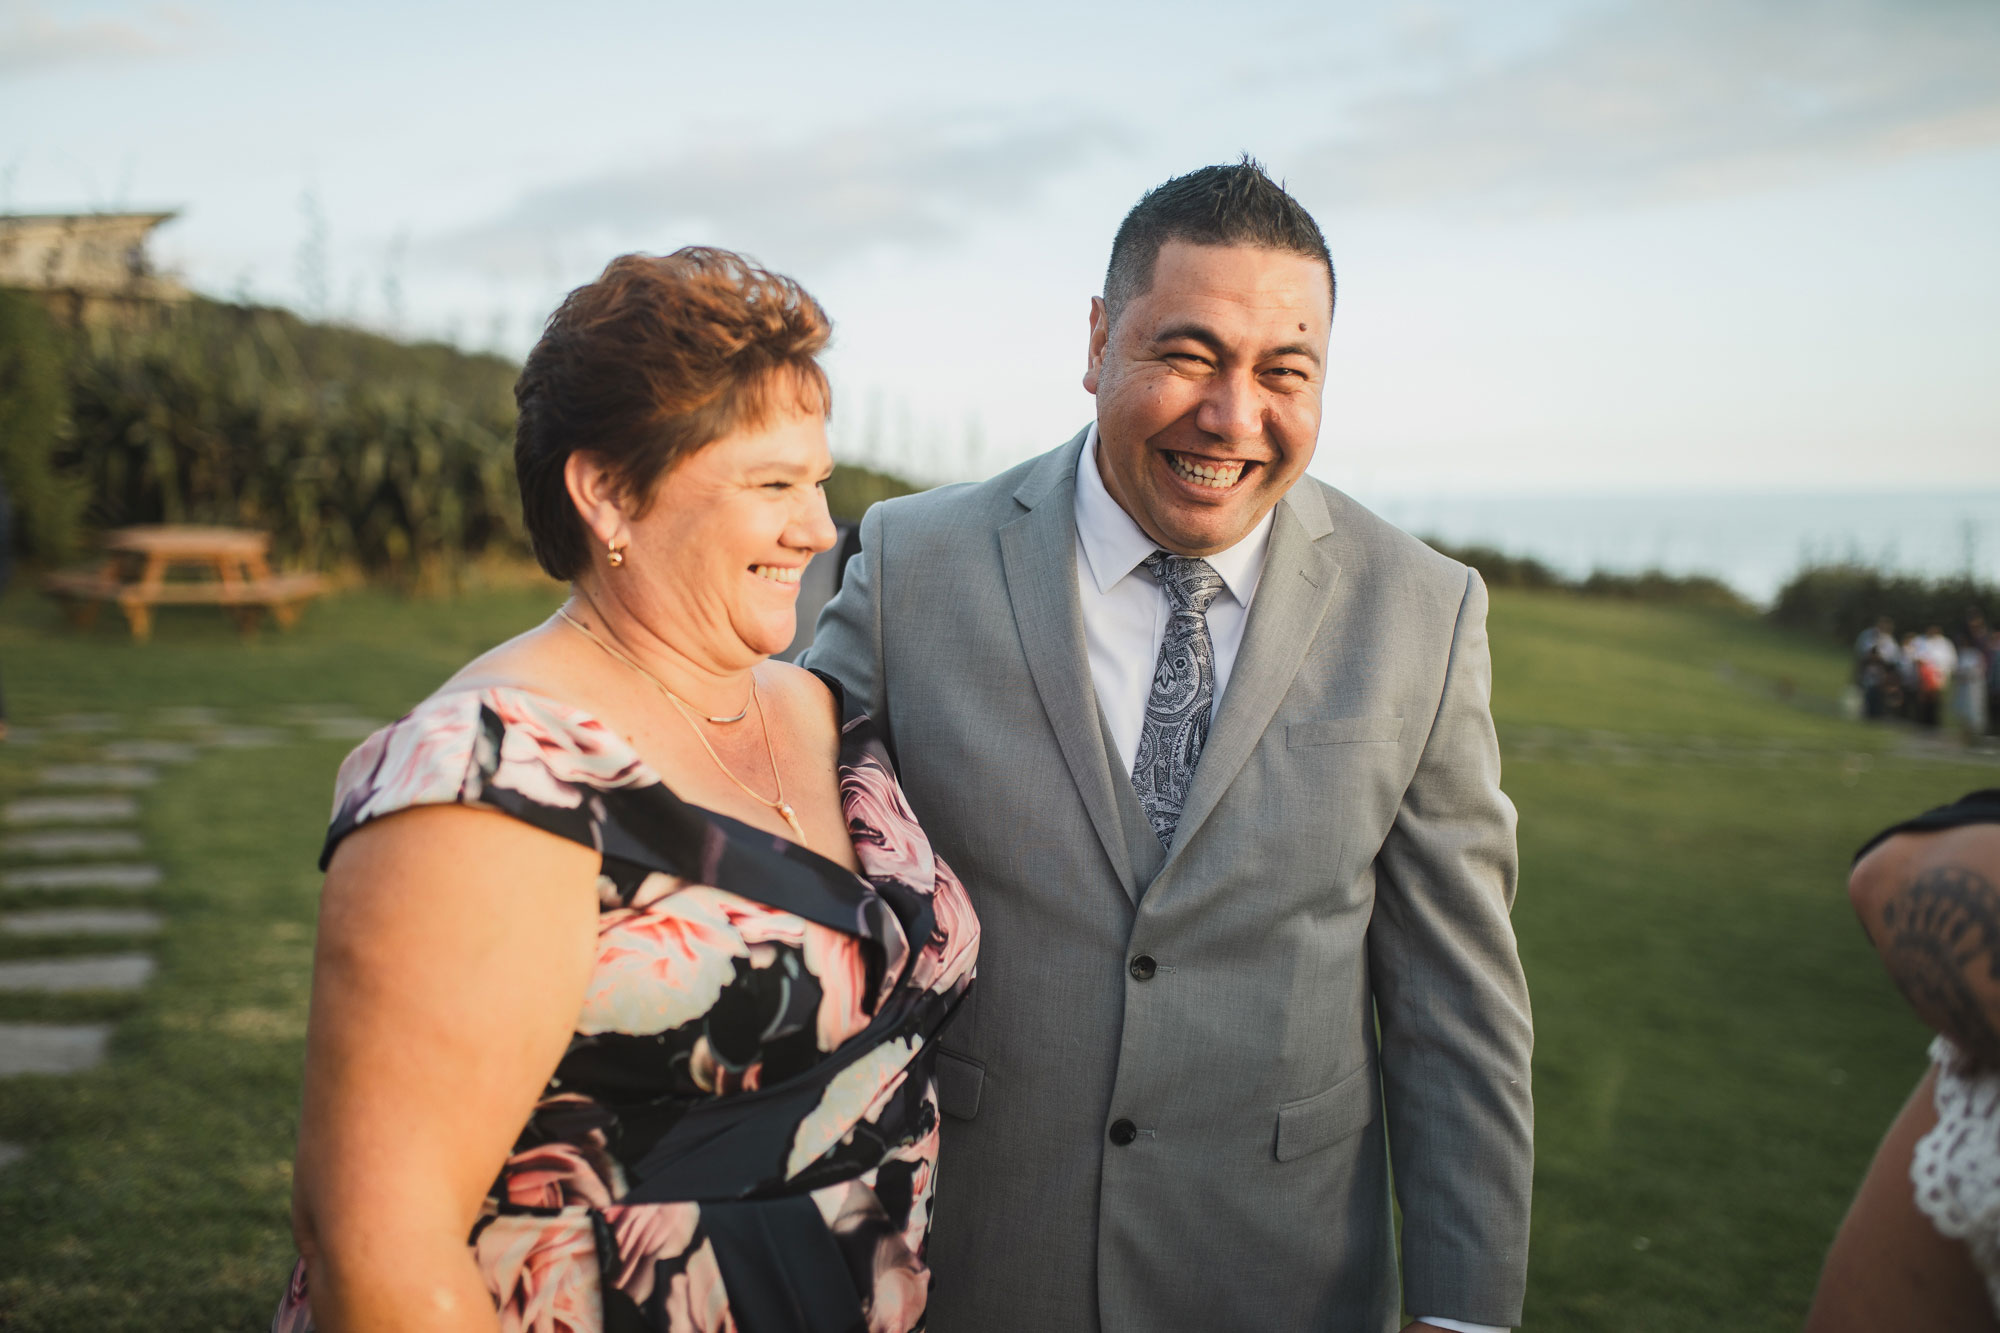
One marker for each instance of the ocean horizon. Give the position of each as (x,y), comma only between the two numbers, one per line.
(1753,541)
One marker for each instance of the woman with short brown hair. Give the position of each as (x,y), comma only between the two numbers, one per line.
(631,953)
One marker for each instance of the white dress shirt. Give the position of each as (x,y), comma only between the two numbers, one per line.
(1125,613)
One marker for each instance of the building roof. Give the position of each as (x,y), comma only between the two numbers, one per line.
(91,254)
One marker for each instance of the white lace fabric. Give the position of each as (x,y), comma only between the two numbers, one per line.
(1956,1167)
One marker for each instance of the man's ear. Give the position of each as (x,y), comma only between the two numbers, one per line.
(598,498)
(1100,338)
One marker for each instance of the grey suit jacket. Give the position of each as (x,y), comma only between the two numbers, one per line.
(1345,859)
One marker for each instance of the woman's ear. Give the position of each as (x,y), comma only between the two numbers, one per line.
(599,500)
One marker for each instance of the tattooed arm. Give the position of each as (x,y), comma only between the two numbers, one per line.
(1930,903)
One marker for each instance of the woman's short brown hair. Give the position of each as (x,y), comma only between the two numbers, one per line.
(658,357)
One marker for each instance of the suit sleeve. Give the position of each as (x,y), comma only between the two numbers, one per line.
(1453,1006)
(847,639)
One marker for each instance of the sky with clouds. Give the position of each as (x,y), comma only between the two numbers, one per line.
(1583,245)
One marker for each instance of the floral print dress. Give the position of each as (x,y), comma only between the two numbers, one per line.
(743,1132)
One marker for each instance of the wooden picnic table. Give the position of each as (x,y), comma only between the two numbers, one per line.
(230,567)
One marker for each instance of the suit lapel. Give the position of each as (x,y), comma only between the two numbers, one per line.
(1292,598)
(1038,552)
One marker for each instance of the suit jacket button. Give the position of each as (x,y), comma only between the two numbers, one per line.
(1123,1132)
(1143,967)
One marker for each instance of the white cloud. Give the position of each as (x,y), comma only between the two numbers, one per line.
(805,202)
(32,39)
(1670,99)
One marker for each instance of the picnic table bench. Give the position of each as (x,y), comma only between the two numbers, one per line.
(231,566)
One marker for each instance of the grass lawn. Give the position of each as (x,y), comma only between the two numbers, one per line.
(1718,1051)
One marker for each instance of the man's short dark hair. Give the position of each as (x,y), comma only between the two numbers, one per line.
(1220,205)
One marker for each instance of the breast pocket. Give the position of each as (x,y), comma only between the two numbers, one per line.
(1343,731)
(959,1082)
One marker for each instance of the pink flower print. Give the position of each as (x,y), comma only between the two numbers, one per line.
(651,889)
(543,1273)
(421,760)
(856,1093)
(902,1288)
(553,756)
(696,1301)
(662,966)
(839,964)
(649,1234)
(901,1283)
(556,1175)
(295,1309)
(948,957)
(923,1154)
(711,1075)
(884,829)
(764,928)
(759,924)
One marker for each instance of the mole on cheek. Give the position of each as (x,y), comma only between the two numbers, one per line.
(1302,328)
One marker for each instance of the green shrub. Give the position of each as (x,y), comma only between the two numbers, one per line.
(1499,569)
(1517,571)
(852,488)
(1838,601)
(351,449)
(1653,585)
(48,506)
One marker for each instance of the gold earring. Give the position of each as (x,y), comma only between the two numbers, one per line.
(614,555)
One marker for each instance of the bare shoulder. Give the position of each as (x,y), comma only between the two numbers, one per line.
(800,703)
(533,660)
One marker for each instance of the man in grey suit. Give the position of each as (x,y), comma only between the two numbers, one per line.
(1211,747)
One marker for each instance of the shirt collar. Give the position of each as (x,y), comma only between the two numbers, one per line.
(1114,545)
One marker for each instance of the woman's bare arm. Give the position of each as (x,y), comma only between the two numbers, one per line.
(454,948)
(1889,1268)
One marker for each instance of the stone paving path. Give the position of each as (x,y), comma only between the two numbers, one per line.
(81,921)
(75,832)
(99,775)
(52,1048)
(60,976)
(70,810)
(83,842)
(82,877)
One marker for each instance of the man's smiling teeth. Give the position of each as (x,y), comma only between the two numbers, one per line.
(778,573)
(1216,476)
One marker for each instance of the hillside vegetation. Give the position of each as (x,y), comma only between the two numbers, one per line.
(354,450)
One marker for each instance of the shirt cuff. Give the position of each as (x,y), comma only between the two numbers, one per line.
(1460,1326)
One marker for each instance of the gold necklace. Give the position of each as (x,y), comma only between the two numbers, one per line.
(659,684)
(781,805)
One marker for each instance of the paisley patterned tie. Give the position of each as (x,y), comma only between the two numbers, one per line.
(1183,694)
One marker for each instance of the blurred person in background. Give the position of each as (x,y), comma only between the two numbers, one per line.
(1935,657)
(631,957)
(1907,660)
(1920,1246)
(1876,658)
(1968,685)
(1987,640)
(1878,638)
(1993,683)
